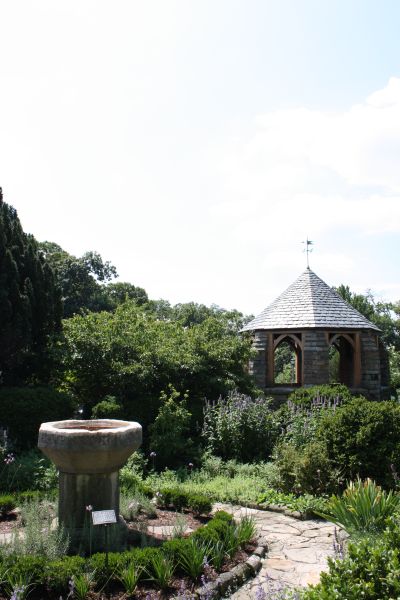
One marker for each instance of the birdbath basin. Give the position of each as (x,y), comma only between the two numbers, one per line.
(88,455)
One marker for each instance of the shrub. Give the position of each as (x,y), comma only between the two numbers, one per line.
(200,504)
(206,535)
(7,504)
(25,567)
(179,499)
(222,515)
(169,434)
(363,508)
(174,548)
(22,410)
(58,573)
(363,438)
(239,427)
(305,470)
(28,471)
(326,395)
(108,408)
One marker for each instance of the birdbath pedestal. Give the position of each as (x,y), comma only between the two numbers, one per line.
(88,455)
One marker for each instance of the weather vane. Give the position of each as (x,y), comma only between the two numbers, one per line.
(307,249)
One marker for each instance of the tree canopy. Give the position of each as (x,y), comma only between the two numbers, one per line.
(30,301)
(86,281)
(386,315)
(134,355)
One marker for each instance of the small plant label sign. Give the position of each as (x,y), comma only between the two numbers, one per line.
(103,517)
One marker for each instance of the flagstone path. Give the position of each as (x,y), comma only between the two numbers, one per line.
(297,551)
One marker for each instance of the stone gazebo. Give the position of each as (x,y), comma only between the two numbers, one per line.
(311,317)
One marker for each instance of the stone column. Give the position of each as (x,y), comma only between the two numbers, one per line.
(370,364)
(257,363)
(315,358)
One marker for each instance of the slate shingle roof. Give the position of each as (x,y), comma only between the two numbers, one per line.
(309,303)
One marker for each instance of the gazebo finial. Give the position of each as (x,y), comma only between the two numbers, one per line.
(307,249)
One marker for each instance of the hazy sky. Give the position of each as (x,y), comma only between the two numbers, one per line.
(195,144)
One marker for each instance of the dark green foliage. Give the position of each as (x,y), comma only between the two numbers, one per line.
(121,291)
(24,567)
(179,499)
(30,303)
(7,503)
(239,427)
(306,470)
(174,547)
(169,434)
(142,557)
(80,279)
(58,573)
(222,515)
(363,439)
(107,409)
(325,395)
(379,313)
(22,410)
(32,471)
(369,570)
(200,504)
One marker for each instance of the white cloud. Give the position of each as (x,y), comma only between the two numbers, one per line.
(332,176)
(316,171)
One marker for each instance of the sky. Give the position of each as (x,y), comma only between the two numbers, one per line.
(196,143)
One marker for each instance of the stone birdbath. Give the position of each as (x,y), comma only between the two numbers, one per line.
(88,455)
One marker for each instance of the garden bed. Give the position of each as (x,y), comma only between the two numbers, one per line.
(187,543)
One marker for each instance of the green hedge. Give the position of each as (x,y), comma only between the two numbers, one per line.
(180,499)
(22,410)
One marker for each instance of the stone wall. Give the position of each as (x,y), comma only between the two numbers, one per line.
(315,358)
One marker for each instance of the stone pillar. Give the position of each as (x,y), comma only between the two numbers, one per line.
(77,491)
(370,365)
(315,358)
(258,362)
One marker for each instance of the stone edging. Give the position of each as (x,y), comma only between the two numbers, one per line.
(236,577)
(296,514)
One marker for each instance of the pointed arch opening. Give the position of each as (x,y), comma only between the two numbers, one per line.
(341,359)
(287,360)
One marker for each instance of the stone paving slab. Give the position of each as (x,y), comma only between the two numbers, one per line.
(297,551)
